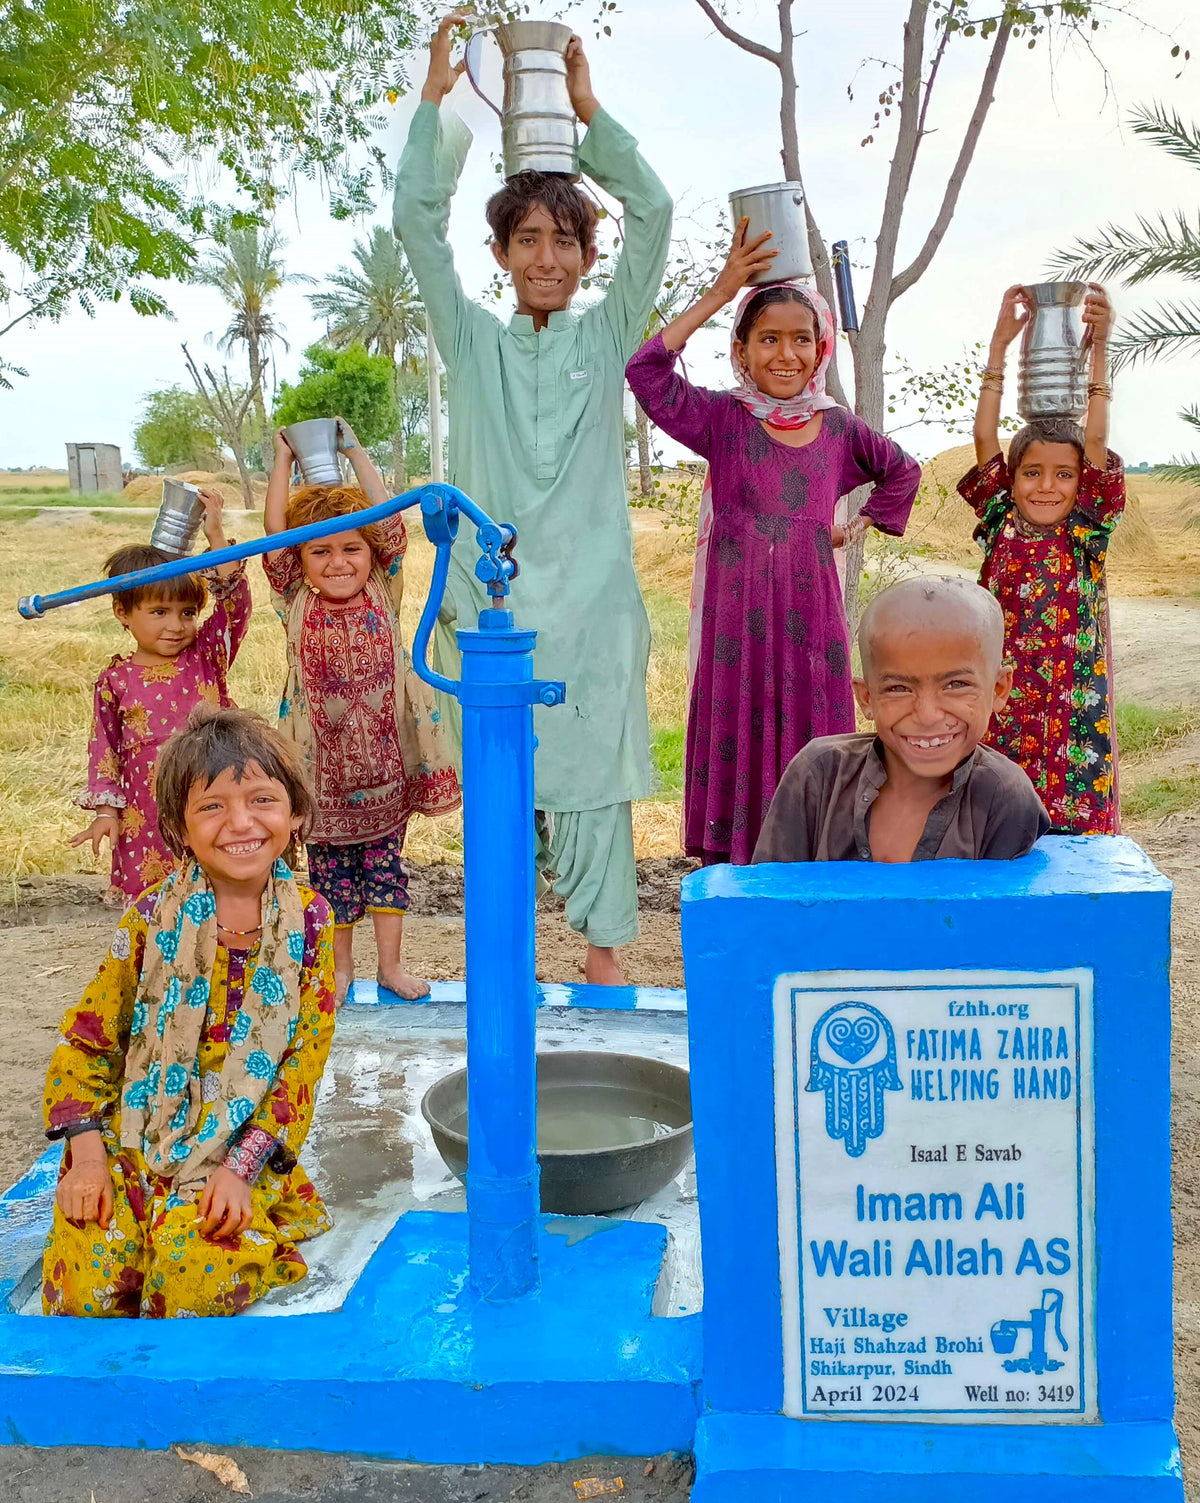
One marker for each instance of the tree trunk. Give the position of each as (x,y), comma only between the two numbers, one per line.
(645,469)
(399,470)
(256,386)
(243,476)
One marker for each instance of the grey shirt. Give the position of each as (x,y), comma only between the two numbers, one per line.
(822,807)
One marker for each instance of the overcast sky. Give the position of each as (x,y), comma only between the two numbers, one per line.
(1056,161)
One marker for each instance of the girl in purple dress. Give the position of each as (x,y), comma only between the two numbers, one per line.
(772,668)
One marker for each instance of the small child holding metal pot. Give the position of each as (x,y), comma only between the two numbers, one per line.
(367,726)
(143,699)
(1045,518)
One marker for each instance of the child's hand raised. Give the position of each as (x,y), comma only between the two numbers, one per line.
(579,82)
(85,1192)
(747,258)
(224,1208)
(283,450)
(1097,313)
(1012,318)
(347,438)
(214,518)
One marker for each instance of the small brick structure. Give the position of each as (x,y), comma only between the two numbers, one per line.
(94,467)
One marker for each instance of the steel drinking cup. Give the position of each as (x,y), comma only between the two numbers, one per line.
(179,518)
(537,118)
(779,208)
(315,445)
(1052,373)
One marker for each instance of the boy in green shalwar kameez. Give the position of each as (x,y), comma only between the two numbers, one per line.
(537,438)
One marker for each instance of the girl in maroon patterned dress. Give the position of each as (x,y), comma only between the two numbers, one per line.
(367,725)
(1045,519)
(143,699)
(772,666)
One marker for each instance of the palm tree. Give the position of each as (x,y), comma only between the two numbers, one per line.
(247,270)
(376,305)
(1164,245)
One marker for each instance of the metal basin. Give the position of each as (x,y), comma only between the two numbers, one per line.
(612,1128)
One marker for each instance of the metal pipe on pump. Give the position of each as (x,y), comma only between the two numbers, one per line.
(497,693)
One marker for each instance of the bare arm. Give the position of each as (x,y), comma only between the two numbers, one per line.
(369,479)
(1014,314)
(1098,318)
(744,261)
(278,486)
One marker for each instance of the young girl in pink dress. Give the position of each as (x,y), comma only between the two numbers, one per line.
(366,724)
(143,699)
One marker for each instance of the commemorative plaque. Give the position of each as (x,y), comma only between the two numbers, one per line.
(934,1165)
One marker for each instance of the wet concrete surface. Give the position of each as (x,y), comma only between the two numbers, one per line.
(81,1474)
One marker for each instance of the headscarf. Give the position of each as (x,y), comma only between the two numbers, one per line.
(788,412)
(164,1093)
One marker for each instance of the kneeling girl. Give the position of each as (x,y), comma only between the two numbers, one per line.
(185,1079)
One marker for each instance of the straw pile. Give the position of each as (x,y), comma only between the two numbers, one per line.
(146,490)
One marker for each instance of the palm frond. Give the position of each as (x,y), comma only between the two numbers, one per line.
(1167,130)
(1156,247)
(1168,329)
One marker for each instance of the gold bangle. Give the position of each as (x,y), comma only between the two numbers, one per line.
(991,383)
(1100,389)
(992,370)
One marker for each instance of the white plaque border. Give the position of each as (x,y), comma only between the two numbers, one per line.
(787,1151)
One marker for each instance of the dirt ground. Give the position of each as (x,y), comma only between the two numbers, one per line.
(77,1474)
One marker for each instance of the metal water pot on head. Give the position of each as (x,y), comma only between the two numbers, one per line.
(179,518)
(315,445)
(1052,372)
(537,118)
(779,209)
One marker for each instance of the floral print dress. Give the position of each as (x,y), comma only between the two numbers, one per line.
(152,1260)
(137,709)
(1058,723)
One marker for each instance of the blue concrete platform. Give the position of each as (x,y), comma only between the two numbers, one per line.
(412,1367)
(382,1350)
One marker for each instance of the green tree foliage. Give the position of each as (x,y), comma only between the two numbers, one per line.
(247,270)
(346,383)
(378,306)
(176,428)
(106,105)
(1166,245)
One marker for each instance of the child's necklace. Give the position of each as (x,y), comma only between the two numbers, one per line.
(239,933)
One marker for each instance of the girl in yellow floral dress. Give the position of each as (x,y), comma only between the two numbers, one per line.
(185,1080)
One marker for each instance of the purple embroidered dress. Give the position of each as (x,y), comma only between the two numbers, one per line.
(774,662)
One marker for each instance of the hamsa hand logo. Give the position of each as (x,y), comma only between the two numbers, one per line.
(853,1060)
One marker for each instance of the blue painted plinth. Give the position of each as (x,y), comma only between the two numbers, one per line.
(411,1367)
(768,1459)
(1090,908)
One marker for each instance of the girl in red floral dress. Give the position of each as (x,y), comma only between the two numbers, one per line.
(366,724)
(1046,516)
(143,699)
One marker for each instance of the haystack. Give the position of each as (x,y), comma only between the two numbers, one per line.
(146,490)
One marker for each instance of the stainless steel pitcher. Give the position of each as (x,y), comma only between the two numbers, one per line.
(778,208)
(1052,374)
(537,118)
(179,518)
(315,445)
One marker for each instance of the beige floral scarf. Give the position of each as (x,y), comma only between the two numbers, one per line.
(162,1096)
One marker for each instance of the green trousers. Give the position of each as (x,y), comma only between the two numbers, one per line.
(587,858)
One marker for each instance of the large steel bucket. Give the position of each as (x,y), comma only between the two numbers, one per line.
(537,118)
(179,518)
(777,208)
(1052,375)
(605,1168)
(315,445)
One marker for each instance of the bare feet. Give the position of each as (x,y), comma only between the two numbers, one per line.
(601,968)
(397,978)
(342,982)
(113,897)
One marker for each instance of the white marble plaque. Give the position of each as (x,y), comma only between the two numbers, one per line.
(935,1179)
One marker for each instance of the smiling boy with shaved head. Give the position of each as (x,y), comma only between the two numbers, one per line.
(921,786)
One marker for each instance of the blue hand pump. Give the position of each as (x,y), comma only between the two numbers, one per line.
(497,693)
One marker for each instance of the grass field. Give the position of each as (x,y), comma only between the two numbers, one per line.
(48,669)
